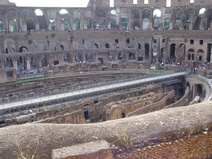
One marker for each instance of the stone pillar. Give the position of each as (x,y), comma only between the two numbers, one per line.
(211,55)
(1,64)
(15,65)
(37,27)
(37,62)
(171,26)
(28,67)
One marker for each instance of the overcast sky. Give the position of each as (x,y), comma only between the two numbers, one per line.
(51,3)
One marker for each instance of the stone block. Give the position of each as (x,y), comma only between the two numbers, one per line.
(91,150)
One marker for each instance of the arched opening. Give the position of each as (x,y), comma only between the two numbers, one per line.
(172,51)
(139,46)
(113,12)
(52,24)
(63,12)
(157,13)
(131,56)
(200,55)
(38,12)
(107,45)
(100,13)
(77,23)
(135,13)
(62,47)
(23,49)
(146,24)
(88,57)
(64,24)
(146,51)
(1,25)
(96,45)
(86,112)
(124,23)
(78,57)
(123,115)
(161,55)
(30,25)
(136,25)
(13,25)
(167,23)
(8,62)
(90,24)
(121,56)
(191,54)
(102,23)
(113,23)
(202,12)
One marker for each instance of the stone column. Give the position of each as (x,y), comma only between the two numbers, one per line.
(28,67)
(211,55)
(15,64)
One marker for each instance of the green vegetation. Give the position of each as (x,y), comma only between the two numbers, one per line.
(47,36)
(52,35)
(15,26)
(1,25)
(124,23)
(30,41)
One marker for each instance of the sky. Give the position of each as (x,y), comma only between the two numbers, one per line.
(51,3)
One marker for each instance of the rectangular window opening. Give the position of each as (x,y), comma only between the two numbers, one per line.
(191,41)
(201,42)
(9,74)
(168,3)
(111,3)
(146,1)
(191,1)
(135,1)
(117,41)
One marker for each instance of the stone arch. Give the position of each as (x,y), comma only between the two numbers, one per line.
(189,16)
(124,23)
(146,24)
(191,54)
(146,13)
(173,50)
(88,57)
(139,46)
(88,14)
(78,57)
(100,13)
(13,25)
(90,24)
(157,13)
(177,22)
(113,23)
(38,12)
(136,24)
(23,49)
(8,62)
(200,55)
(167,23)
(121,56)
(52,24)
(30,25)
(131,56)
(107,45)
(65,24)
(77,23)
(135,13)
(102,23)
(63,12)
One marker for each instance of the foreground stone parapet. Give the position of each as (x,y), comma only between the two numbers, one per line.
(91,150)
(47,137)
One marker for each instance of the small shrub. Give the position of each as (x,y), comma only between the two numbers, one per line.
(52,35)
(30,41)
